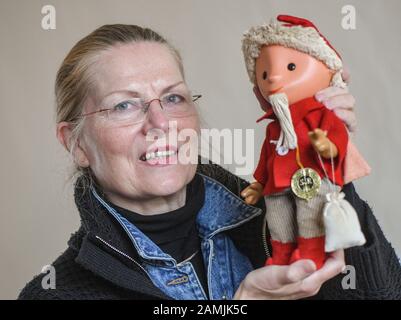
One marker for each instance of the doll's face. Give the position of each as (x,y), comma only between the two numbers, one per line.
(297,74)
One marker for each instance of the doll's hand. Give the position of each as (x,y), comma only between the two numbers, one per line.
(321,143)
(296,281)
(262,101)
(340,101)
(252,193)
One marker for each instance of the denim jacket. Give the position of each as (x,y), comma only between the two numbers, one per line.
(102,263)
(226,267)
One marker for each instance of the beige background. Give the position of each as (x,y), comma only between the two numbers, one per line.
(37,212)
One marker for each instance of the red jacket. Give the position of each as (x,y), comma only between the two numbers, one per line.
(274,171)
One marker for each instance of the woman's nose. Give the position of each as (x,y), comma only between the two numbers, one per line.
(155,117)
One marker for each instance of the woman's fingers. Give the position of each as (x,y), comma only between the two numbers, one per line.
(332,267)
(330,92)
(297,288)
(342,101)
(277,277)
(296,281)
(285,282)
(348,117)
(299,270)
(310,285)
(343,106)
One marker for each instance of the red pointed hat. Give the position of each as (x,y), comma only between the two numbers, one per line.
(291,32)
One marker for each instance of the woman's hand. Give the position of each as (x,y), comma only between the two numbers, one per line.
(340,101)
(252,193)
(296,281)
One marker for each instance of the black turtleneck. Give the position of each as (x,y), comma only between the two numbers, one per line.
(175,232)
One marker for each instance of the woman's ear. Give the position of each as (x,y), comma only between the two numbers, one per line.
(64,136)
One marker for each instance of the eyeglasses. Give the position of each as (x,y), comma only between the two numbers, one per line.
(134,110)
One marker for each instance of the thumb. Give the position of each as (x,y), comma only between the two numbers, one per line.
(301,269)
(275,277)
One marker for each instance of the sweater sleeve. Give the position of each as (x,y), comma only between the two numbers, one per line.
(373,270)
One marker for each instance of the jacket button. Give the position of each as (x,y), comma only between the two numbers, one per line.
(282,151)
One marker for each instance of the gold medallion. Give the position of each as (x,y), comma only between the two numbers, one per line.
(305,183)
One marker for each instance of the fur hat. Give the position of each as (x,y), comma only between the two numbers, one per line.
(291,32)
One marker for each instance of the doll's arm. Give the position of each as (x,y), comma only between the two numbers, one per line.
(260,173)
(331,133)
(254,191)
(322,144)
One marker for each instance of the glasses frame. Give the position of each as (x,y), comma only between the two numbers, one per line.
(144,109)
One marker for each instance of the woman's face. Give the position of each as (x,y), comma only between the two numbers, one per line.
(117,153)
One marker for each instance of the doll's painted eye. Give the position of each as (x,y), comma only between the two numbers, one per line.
(264,75)
(291,66)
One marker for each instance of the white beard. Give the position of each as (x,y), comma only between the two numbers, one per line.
(288,137)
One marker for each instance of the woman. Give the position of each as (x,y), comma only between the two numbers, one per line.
(157,228)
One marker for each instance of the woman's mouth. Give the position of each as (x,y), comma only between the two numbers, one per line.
(160,156)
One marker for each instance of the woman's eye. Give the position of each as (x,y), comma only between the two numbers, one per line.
(291,66)
(122,106)
(125,106)
(174,99)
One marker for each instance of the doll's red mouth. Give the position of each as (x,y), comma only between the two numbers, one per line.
(275,91)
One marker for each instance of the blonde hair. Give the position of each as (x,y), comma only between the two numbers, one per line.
(73,81)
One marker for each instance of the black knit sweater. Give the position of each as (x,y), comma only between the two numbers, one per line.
(101,263)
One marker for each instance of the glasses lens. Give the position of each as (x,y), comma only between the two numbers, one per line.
(127,111)
(134,110)
(177,104)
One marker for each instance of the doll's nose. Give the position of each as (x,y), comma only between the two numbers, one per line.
(274,78)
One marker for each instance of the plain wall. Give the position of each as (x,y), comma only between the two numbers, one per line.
(37,211)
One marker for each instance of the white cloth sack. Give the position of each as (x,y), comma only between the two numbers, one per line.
(341,223)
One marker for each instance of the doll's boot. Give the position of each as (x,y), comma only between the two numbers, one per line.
(281,253)
(312,249)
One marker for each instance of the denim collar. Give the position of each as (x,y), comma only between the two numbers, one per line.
(222,210)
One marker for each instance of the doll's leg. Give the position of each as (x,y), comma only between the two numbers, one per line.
(281,221)
(311,238)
